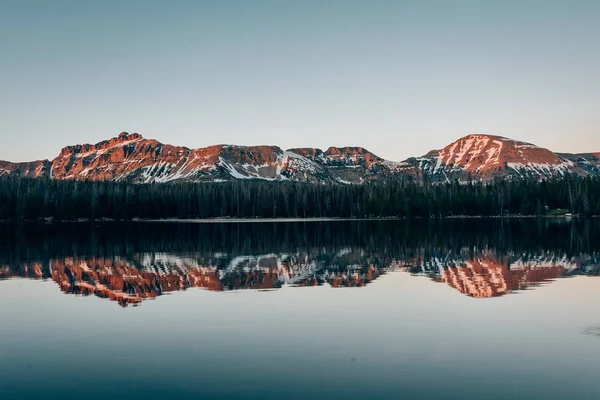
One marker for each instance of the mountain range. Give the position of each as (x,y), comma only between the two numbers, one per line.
(133,158)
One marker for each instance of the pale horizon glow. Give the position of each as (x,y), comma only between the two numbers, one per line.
(399,78)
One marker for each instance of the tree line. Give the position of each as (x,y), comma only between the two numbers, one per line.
(31,199)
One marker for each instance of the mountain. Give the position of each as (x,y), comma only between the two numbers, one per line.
(132,158)
(485,157)
(34,169)
(587,163)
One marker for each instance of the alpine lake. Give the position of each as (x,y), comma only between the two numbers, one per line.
(423,309)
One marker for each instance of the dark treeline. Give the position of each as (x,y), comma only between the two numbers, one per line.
(29,199)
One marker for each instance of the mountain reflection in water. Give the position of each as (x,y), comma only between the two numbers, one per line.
(131,262)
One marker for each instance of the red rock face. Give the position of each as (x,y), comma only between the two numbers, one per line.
(486,157)
(127,157)
(34,169)
(308,152)
(487,153)
(356,155)
(132,158)
(254,155)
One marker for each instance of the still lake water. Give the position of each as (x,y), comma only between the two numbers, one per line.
(447,309)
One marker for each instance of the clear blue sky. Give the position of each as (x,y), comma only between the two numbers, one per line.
(397,77)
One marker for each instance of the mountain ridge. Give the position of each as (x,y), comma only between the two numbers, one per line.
(131,157)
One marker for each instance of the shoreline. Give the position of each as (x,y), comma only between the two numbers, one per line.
(293,220)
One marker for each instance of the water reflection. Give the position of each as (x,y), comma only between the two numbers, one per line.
(129,263)
(488,274)
(593,330)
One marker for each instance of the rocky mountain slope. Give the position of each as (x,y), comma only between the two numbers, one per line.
(132,158)
(485,157)
(34,169)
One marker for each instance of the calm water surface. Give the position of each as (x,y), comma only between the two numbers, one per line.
(374,309)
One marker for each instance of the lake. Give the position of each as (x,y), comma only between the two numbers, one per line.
(453,309)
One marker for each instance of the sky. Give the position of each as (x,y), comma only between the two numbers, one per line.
(397,77)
